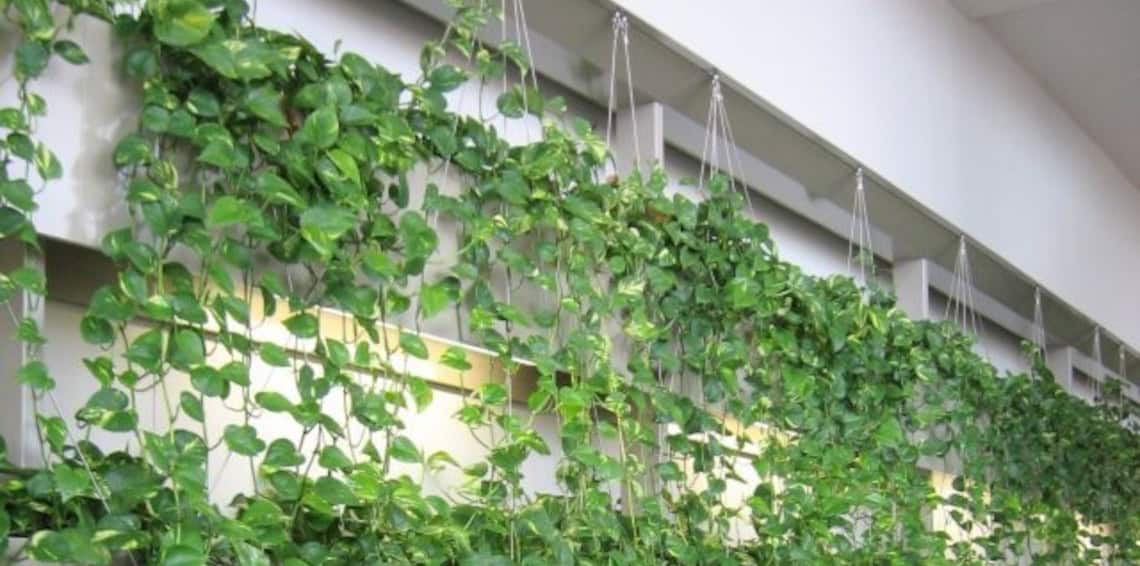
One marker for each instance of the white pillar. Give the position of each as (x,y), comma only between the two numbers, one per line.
(649,142)
(17,412)
(912,287)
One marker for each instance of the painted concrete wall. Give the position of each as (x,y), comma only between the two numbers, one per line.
(924,97)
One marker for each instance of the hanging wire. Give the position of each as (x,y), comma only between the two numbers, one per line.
(719,138)
(1038,331)
(860,248)
(961,307)
(621,43)
(522,40)
(1100,369)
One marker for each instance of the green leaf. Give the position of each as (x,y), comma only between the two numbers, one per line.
(29,279)
(403,450)
(70,51)
(743,292)
(147,349)
(249,555)
(183,555)
(47,164)
(274,355)
(72,545)
(97,331)
(303,325)
(242,439)
(155,118)
(890,433)
(265,103)
(516,102)
(446,78)
(333,491)
(278,190)
(209,382)
(333,458)
(496,394)
(356,115)
(413,345)
(273,402)
(421,392)
(513,188)
(182,23)
(141,62)
(192,406)
(236,373)
(324,224)
(229,211)
(320,129)
(282,454)
(36,17)
(31,58)
(444,140)
(221,56)
(34,374)
(220,154)
(419,238)
(70,482)
(434,298)
(12,118)
(377,264)
(132,150)
(345,165)
(203,103)
(455,358)
(187,349)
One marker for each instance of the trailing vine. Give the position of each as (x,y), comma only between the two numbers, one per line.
(272,188)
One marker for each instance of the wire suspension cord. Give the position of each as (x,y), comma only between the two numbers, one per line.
(620,43)
(1038,331)
(961,307)
(860,248)
(1100,368)
(720,138)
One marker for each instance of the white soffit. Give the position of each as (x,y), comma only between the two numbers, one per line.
(1086,53)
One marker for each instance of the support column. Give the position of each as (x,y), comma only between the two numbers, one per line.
(650,137)
(17,408)
(912,287)
(1061,362)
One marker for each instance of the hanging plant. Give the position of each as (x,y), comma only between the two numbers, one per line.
(275,192)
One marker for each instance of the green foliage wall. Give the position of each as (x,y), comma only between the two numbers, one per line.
(254,149)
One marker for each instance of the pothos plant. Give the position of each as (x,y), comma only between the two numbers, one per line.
(269,182)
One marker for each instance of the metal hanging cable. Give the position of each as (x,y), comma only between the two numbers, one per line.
(719,138)
(521,39)
(620,43)
(1037,333)
(1100,369)
(961,306)
(860,248)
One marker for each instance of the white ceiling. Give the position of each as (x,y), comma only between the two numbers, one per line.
(1086,53)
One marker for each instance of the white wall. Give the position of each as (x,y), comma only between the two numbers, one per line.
(929,101)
